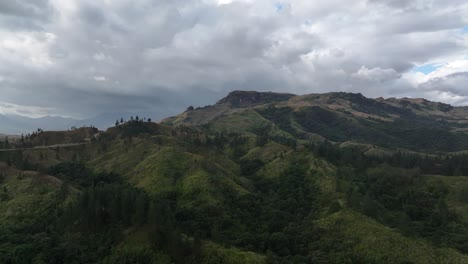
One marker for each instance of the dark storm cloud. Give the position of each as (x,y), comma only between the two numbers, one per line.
(85,58)
(19,15)
(26,9)
(92,15)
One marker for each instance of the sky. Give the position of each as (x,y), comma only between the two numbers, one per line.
(82,58)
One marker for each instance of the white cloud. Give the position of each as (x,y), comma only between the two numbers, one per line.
(449,68)
(376,74)
(26,48)
(444,70)
(100,78)
(99,56)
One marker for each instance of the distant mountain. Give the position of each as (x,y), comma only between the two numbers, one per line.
(16,124)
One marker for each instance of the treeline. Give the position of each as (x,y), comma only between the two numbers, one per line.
(122,121)
(135,127)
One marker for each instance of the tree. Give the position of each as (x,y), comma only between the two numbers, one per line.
(140,209)
(121,120)
(149,119)
(137,118)
(117,123)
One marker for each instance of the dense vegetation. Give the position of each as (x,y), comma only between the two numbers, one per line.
(409,131)
(143,192)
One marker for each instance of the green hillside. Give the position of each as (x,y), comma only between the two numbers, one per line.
(412,124)
(256,178)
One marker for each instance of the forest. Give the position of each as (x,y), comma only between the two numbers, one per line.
(277,219)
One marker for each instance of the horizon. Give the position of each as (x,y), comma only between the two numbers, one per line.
(212,103)
(81,59)
(107,120)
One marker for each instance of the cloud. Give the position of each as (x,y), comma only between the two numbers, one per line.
(450,87)
(85,58)
(25,110)
(38,9)
(439,72)
(20,15)
(376,74)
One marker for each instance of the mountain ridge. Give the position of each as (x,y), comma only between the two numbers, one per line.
(338,117)
(245,99)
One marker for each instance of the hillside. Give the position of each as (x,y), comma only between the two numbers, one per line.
(412,124)
(42,138)
(255,178)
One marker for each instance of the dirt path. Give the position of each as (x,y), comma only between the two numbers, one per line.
(44,147)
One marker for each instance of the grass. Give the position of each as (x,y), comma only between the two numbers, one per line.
(239,122)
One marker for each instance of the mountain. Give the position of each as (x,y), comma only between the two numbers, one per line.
(254,178)
(17,125)
(243,99)
(413,124)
